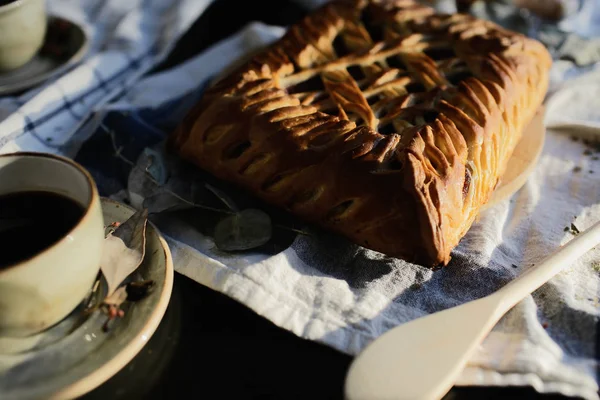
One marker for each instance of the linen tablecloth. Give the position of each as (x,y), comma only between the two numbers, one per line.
(324,288)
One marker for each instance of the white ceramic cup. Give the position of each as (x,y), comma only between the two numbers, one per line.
(38,292)
(22,32)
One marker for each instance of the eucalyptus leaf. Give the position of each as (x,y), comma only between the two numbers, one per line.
(164,201)
(151,171)
(243,230)
(223,197)
(198,191)
(581,51)
(124,250)
(140,186)
(157,174)
(156,165)
(180,186)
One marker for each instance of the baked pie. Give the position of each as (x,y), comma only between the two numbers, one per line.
(380,120)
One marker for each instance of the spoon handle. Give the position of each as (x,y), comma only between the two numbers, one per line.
(539,274)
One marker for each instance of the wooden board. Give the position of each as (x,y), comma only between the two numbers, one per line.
(523,161)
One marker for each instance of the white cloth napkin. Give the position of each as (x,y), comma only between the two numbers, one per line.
(127,38)
(326,289)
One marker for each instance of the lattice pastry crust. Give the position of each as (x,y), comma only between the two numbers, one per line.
(380,120)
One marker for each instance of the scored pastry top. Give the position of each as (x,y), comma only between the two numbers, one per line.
(381,120)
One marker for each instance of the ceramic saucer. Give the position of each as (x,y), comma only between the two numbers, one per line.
(75,356)
(65,44)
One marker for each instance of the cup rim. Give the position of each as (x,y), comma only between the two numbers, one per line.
(88,207)
(12,5)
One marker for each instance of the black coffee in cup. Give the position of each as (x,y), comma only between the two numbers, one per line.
(31,222)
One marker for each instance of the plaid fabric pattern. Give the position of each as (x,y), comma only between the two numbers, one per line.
(127,39)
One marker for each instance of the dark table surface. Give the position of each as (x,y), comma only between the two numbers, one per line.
(208,345)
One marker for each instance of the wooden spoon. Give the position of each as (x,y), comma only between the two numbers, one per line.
(421,359)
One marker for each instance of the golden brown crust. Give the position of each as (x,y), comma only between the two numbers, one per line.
(379,120)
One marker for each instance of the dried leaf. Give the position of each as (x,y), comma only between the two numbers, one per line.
(138,290)
(244,230)
(124,250)
(117,298)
